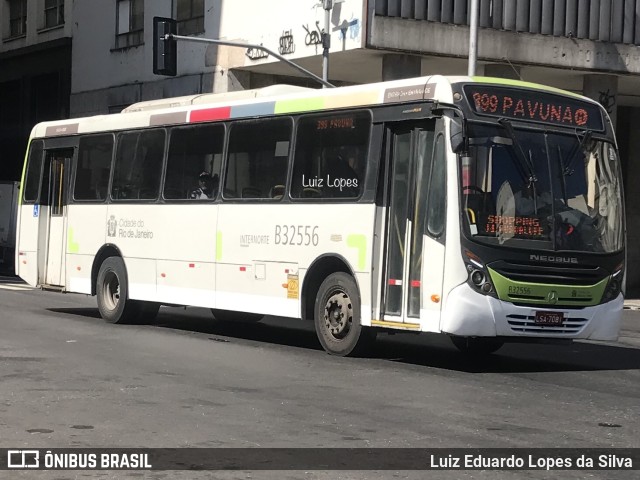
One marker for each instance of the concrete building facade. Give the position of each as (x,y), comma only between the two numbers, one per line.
(35,73)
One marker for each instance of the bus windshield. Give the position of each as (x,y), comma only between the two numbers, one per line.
(543,190)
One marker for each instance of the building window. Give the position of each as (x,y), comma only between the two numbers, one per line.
(130,23)
(17,18)
(53,13)
(190,16)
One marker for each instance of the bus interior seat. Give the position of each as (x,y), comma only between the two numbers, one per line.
(251,192)
(310,192)
(173,193)
(277,192)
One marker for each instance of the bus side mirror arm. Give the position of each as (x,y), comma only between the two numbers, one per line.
(459,138)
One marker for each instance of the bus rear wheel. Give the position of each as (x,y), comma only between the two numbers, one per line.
(112,292)
(477,346)
(337,317)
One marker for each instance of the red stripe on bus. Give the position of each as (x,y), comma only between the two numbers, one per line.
(415,283)
(192,265)
(395,282)
(206,114)
(243,269)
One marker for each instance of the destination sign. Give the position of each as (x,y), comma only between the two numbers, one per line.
(536,106)
(333,123)
(512,225)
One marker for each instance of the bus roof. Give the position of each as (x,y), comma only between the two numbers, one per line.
(277,99)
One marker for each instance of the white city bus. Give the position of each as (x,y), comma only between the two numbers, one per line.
(484,209)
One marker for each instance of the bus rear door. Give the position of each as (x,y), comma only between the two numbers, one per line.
(52,216)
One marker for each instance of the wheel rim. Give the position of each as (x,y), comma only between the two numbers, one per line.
(338,315)
(111,290)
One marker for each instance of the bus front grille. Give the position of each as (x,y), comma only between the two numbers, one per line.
(549,274)
(526,324)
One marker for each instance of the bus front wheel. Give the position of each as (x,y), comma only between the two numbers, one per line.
(112,291)
(477,346)
(337,317)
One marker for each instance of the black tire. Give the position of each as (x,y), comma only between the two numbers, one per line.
(337,317)
(112,291)
(477,346)
(233,316)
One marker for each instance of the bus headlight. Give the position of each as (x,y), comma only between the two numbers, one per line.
(478,277)
(615,284)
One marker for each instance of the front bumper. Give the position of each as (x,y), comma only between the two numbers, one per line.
(471,314)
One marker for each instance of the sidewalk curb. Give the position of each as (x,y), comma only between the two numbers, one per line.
(632,304)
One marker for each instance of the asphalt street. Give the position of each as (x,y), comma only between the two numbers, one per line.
(68,379)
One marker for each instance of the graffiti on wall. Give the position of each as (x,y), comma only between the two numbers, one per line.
(350,29)
(287,46)
(347,30)
(256,54)
(313,37)
(607,100)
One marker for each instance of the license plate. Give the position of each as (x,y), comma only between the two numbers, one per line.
(552,319)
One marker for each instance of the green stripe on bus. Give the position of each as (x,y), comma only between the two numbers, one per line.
(72,247)
(520,83)
(299,105)
(548,295)
(218,246)
(359,241)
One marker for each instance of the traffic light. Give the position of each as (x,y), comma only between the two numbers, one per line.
(165,51)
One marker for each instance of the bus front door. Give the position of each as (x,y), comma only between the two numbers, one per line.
(53,198)
(410,246)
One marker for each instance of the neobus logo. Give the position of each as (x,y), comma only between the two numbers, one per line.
(551,258)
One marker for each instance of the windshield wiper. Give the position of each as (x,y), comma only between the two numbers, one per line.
(563,182)
(524,165)
(573,155)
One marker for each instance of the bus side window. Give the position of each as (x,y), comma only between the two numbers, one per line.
(193,150)
(138,165)
(258,159)
(93,167)
(34,172)
(330,158)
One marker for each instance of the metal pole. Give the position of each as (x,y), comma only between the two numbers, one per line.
(473,38)
(170,36)
(326,39)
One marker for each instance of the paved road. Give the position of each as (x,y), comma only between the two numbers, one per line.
(70,380)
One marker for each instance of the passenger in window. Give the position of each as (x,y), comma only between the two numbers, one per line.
(343,180)
(207,187)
